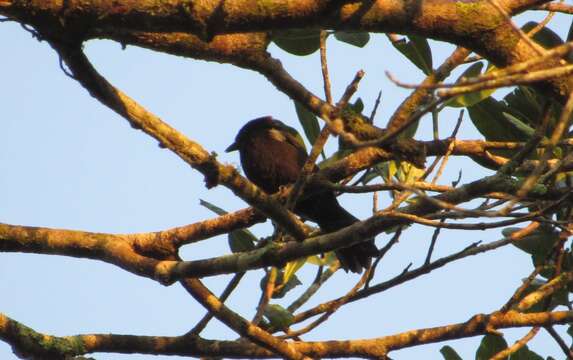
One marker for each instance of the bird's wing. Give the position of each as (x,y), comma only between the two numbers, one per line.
(293,137)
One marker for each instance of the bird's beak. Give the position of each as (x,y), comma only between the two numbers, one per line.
(233,147)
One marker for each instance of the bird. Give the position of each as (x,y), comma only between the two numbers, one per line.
(272,155)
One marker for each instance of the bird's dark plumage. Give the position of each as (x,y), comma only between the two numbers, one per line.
(272,155)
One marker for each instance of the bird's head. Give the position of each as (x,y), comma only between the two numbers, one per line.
(269,127)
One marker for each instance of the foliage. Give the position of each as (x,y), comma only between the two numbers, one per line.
(524,145)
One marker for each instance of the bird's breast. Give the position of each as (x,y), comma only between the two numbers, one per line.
(271,162)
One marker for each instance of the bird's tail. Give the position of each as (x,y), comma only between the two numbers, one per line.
(325,210)
(358,256)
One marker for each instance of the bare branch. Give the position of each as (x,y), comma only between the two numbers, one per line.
(17,335)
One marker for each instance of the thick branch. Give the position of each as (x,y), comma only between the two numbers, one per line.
(478,25)
(27,342)
(114,249)
(168,241)
(210,17)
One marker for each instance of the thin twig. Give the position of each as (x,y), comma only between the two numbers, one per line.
(556,7)
(333,306)
(376,104)
(515,69)
(308,167)
(231,286)
(350,89)
(459,226)
(433,243)
(450,149)
(533,76)
(504,354)
(403,277)
(265,295)
(403,126)
(388,186)
(374,202)
(319,281)
(381,253)
(559,340)
(435,124)
(531,33)
(324,67)
(420,96)
(555,168)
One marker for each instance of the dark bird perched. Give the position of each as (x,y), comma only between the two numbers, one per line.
(272,155)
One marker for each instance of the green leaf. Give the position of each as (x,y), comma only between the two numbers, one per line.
(570,330)
(358,106)
(489,346)
(359,39)
(298,42)
(278,316)
(418,51)
(519,125)
(474,97)
(291,268)
(239,240)
(406,173)
(284,288)
(488,117)
(328,259)
(410,131)
(214,208)
(526,104)
(545,37)
(539,243)
(281,286)
(567,265)
(393,167)
(525,354)
(569,56)
(308,121)
(378,170)
(449,353)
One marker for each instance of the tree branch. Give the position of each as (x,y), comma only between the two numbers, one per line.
(19,335)
(189,151)
(488,33)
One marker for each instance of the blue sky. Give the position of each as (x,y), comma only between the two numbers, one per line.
(66,161)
